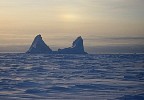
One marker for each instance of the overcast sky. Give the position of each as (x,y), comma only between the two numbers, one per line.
(99,22)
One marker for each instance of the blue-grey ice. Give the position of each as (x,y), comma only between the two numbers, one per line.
(39,47)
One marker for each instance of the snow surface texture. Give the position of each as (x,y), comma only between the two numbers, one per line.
(71,77)
(39,47)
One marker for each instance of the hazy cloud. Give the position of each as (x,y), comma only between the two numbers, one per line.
(99,22)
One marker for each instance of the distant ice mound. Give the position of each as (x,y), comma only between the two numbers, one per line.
(39,47)
(77,47)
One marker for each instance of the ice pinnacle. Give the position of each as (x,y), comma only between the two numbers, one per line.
(39,47)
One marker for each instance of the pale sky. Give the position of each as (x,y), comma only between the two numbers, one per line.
(99,22)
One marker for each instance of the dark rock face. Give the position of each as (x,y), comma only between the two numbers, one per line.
(77,48)
(39,47)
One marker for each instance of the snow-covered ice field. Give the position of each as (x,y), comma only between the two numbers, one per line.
(72,77)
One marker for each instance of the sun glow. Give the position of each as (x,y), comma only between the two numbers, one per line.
(69,17)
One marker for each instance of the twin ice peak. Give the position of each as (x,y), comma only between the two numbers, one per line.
(40,47)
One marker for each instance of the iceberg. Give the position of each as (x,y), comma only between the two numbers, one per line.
(39,47)
(77,47)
